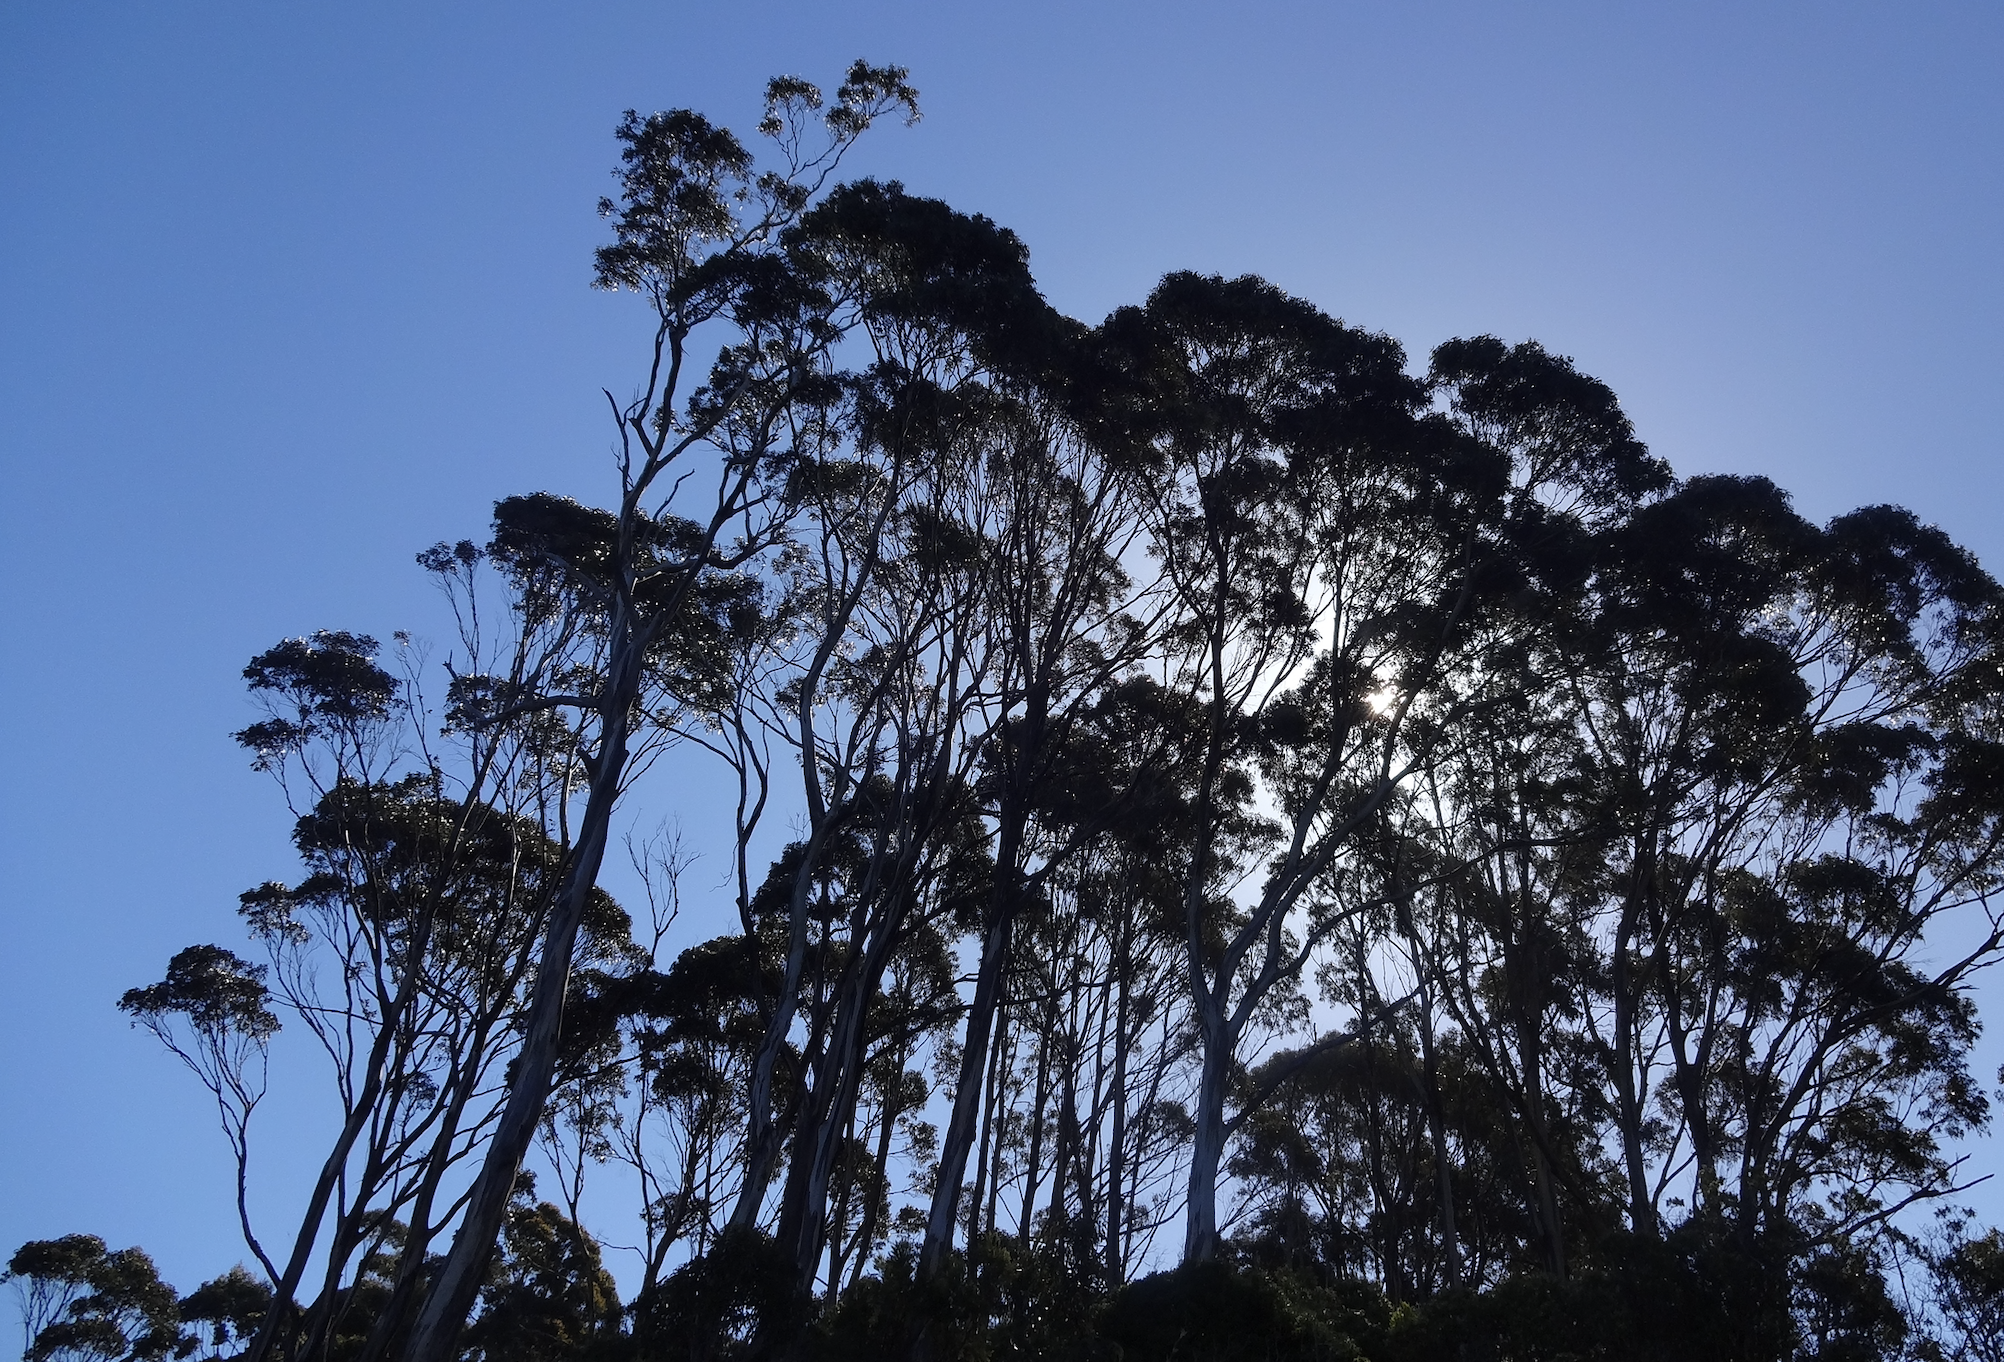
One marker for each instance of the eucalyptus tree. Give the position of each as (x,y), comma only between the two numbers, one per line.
(1131,753)
(1091,1037)
(696,233)
(891,683)
(916,1007)
(1500,937)
(870,503)
(1813,814)
(1687,885)
(1057,498)
(1739,706)
(1136,682)
(213,1012)
(1100,1006)
(1693,718)
(1478,846)
(917,667)
(402,954)
(82,1301)
(1315,536)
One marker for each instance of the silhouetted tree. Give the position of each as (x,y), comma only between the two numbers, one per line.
(1501,899)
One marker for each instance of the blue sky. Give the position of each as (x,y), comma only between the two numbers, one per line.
(289,291)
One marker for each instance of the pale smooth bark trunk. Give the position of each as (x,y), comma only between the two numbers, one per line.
(1628,1092)
(1032,1171)
(1207,1151)
(960,1130)
(763,1138)
(435,1336)
(1011,1039)
(804,1217)
(286,1288)
(986,1172)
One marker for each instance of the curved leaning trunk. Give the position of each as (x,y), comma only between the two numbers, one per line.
(766,1131)
(435,1336)
(284,1307)
(961,1126)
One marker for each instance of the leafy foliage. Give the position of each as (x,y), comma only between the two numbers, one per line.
(1374,826)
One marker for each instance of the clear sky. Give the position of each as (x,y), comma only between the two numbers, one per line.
(288,291)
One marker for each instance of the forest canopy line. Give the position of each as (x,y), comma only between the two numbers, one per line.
(1241,846)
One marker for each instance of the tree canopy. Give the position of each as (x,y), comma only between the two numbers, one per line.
(1241,844)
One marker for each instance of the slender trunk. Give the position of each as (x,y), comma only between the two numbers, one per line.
(1115,1212)
(278,1317)
(283,1307)
(1628,991)
(873,1204)
(435,1336)
(960,1130)
(1628,1095)
(1094,1128)
(1531,1061)
(981,1158)
(838,1222)
(1040,1095)
(998,1100)
(1207,1152)
(347,1236)
(1689,1070)
(1164,1055)
(1384,1230)
(1011,817)
(1063,1156)
(417,1240)
(837,1084)
(1524,986)
(803,1221)
(1436,1120)
(763,1135)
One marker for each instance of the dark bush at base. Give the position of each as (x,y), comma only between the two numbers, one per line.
(1219,1312)
(1681,1299)
(736,1302)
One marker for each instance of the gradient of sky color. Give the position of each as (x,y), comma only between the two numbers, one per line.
(288,291)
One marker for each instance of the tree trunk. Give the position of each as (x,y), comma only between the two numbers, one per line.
(874,1205)
(1117,1141)
(960,1130)
(1207,1152)
(435,1336)
(998,1100)
(831,1108)
(839,1218)
(982,1169)
(1436,1120)
(1031,1171)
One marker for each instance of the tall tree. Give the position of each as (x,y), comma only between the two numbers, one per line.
(696,234)
(1320,541)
